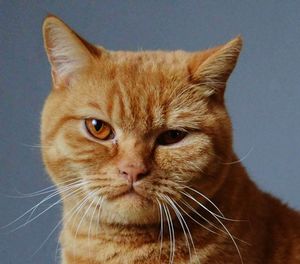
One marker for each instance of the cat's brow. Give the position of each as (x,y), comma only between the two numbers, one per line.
(91,108)
(94,105)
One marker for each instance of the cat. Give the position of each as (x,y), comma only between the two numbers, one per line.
(139,144)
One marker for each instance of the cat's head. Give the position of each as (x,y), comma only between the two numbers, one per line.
(131,130)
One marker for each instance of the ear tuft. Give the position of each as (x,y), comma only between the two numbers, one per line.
(213,67)
(67,52)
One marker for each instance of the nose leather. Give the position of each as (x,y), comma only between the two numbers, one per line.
(132,171)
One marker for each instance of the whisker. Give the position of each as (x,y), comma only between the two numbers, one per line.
(171,231)
(77,207)
(35,145)
(183,224)
(73,210)
(59,191)
(36,206)
(85,213)
(204,218)
(231,237)
(39,192)
(217,217)
(82,204)
(173,234)
(205,197)
(169,227)
(48,189)
(161,234)
(90,225)
(205,208)
(241,159)
(209,222)
(44,211)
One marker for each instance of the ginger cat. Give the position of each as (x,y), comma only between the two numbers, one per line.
(140,146)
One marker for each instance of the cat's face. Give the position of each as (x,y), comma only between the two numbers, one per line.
(132,128)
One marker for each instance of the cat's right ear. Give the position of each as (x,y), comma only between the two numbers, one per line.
(67,52)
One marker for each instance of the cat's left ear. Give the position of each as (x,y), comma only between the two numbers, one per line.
(212,68)
(68,53)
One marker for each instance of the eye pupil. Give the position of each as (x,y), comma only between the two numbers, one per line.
(97,124)
(170,137)
(174,134)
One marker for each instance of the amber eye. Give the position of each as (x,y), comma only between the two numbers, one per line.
(170,137)
(99,129)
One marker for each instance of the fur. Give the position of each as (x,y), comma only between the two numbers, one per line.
(196,203)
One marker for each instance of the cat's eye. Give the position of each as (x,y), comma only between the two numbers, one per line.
(99,129)
(170,137)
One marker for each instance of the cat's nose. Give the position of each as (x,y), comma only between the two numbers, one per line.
(133,171)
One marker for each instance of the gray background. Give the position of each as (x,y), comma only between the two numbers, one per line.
(263,94)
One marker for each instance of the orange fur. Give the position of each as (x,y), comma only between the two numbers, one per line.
(141,95)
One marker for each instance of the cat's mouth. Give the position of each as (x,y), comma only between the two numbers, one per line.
(133,192)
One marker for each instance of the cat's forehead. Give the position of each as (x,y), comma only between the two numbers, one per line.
(147,66)
(177,58)
(142,91)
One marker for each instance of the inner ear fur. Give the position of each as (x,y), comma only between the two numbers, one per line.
(211,69)
(67,52)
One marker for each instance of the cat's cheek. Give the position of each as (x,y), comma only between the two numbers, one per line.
(193,156)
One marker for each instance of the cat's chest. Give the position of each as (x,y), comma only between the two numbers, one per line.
(87,249)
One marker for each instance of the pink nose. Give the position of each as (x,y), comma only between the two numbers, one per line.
(133,172)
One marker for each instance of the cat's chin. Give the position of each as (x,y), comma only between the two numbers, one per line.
(130,208)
